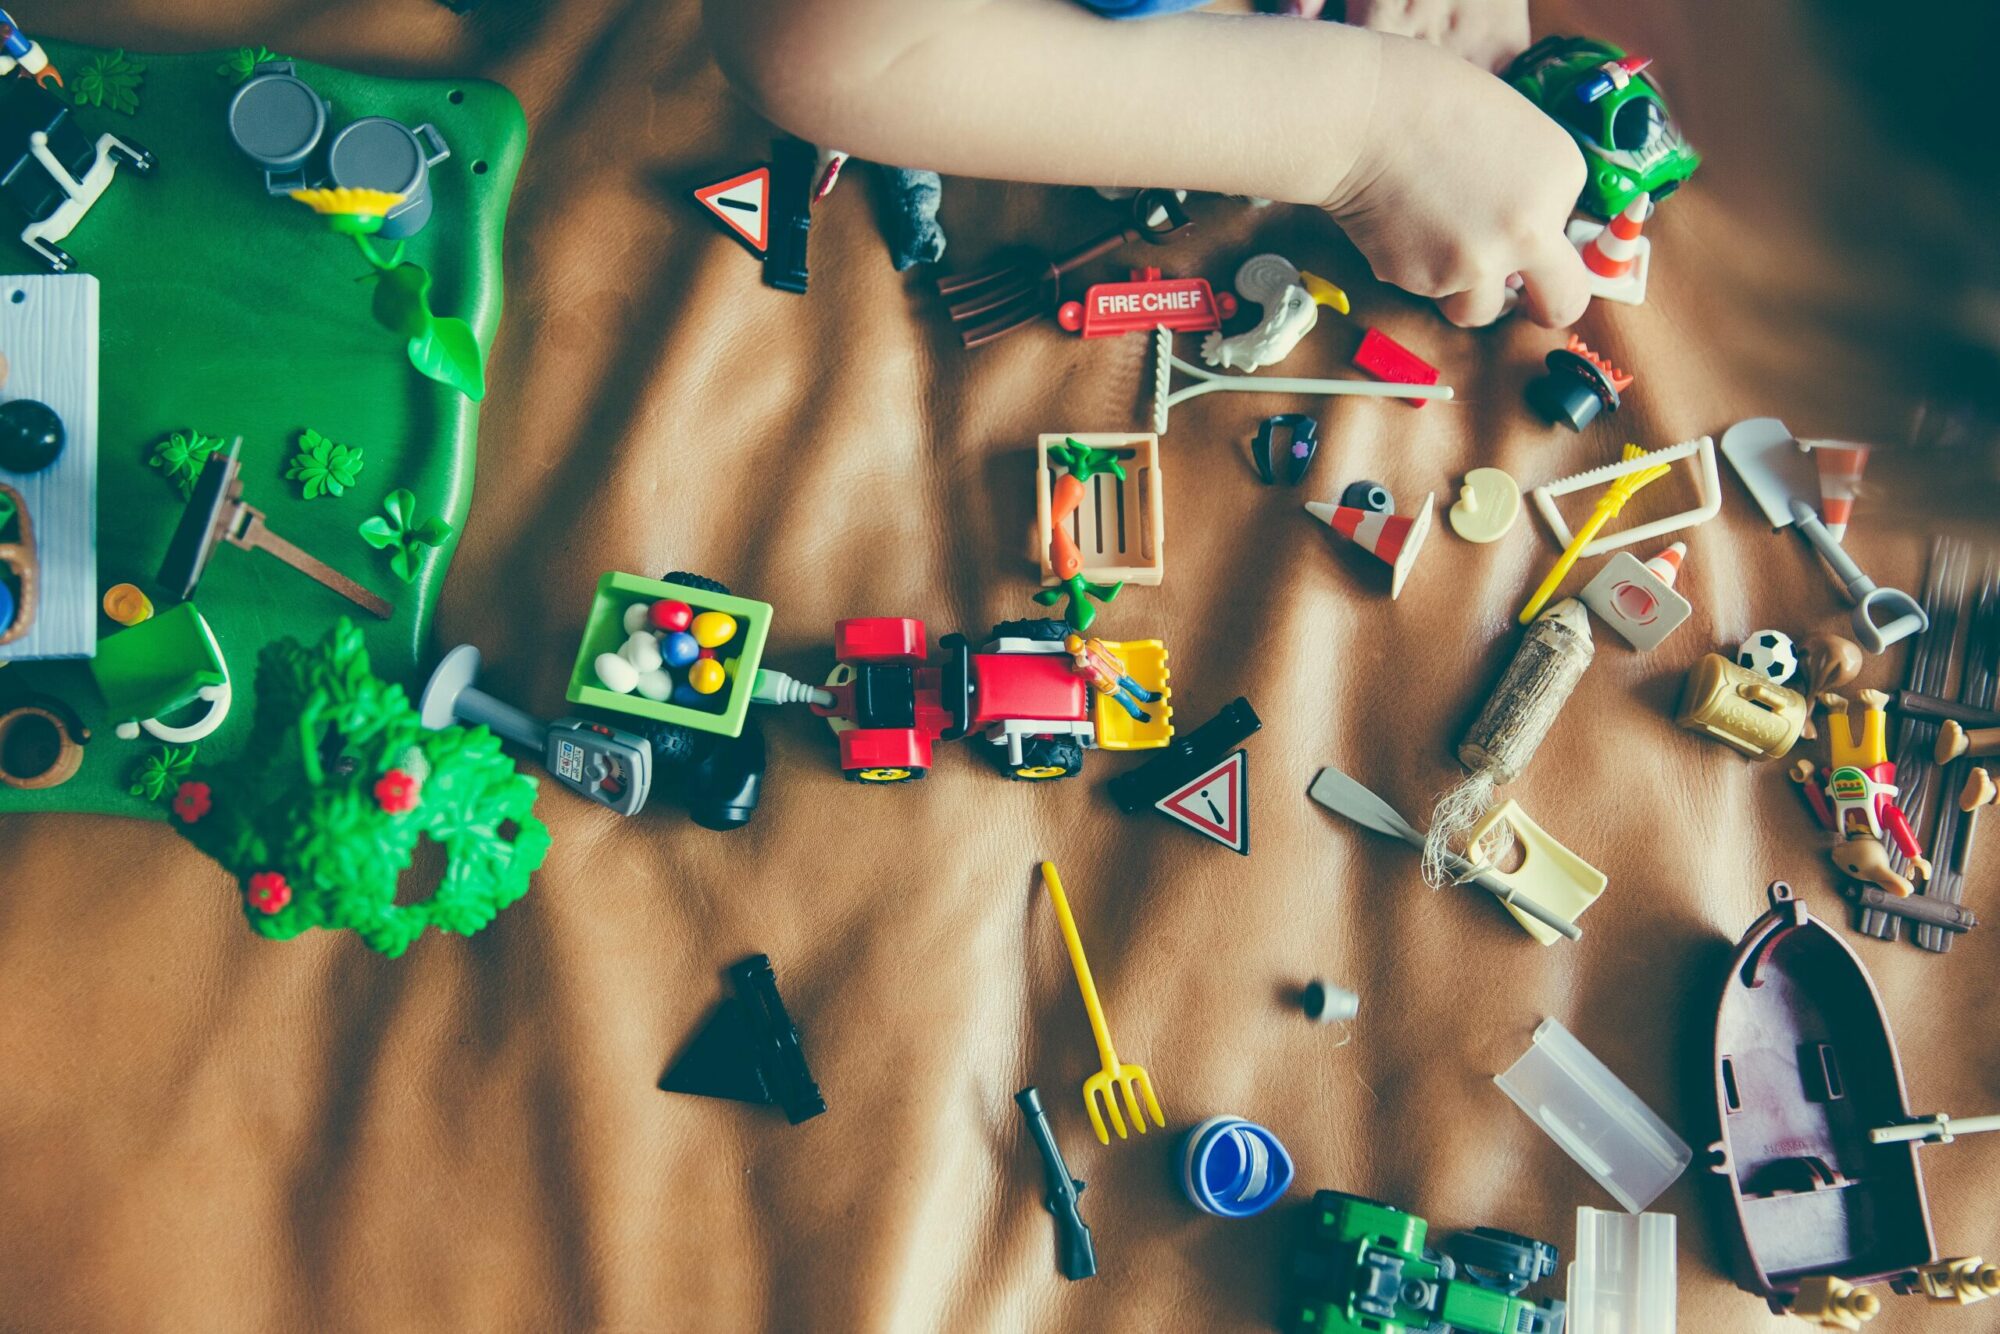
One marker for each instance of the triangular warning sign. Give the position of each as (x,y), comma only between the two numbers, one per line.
(1216,803)
(744,204)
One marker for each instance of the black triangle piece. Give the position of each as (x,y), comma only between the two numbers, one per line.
(749,1050)
(721,1062)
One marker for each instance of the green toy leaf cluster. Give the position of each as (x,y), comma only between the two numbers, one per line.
(160,773)
(111,79)
(237,66)
(441,347)
(326,468)
(181,457)
(303,803)
(399,529)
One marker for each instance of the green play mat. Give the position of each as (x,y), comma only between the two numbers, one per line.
(229,312)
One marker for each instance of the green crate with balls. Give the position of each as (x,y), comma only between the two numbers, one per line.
(676,650)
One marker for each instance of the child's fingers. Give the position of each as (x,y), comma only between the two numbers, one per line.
(1556,289)
(1475,308)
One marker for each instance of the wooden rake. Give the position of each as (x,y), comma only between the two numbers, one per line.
(1131,1081)
(1165,363)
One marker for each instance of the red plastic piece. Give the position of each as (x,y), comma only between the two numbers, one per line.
(396,792)
(269,892)
(1022,686)
(886,747)
(880,639)
(1185,305)
(1386,359)
(668,615)
(191,801)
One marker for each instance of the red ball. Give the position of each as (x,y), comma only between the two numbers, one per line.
(669,615)
(708,653)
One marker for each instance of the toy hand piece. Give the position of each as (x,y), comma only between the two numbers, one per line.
(1920,868)
(1801,771)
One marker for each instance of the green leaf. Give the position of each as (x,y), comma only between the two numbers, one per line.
(236,67)
(377,533)
(402,300)
(405,563)
(161,772)
(400,506)
(450,355)
(109,80)
(325,468)
(431,532)
(181,457)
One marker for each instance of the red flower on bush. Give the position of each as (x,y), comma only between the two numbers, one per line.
(269,892)
(396,792)
(191,801)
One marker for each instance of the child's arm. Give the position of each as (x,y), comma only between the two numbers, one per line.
(1445,178)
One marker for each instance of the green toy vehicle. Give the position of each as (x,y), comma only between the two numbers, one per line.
(1616,114)
(1363,1268)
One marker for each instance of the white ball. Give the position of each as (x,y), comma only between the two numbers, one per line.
(1771,655)
(656,685)
(642,650)
(635,618)
(616,674)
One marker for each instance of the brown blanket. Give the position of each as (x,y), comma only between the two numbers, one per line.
(200,1129)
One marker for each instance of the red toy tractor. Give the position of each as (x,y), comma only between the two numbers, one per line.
(891,705)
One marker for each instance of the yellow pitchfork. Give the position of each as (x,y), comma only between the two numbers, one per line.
(1132,1080)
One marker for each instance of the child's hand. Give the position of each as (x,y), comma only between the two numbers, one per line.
(1461,184)
(1489,33)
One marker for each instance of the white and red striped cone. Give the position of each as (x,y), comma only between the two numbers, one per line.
(1667,565)
(1840,467)
(1617,256)
(1393,538)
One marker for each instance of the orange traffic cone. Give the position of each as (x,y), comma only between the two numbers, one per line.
(1393,538)
(1840,468)
(1667,565)
(1617,256)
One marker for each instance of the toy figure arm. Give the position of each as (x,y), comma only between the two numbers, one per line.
(1447,180)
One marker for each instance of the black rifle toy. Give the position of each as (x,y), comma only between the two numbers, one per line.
(1078,1256)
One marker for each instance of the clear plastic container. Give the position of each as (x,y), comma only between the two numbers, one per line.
(1599,1122)
(1621,1280)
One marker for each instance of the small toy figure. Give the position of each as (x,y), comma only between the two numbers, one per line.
(22,54)
(1106,671)
(1858,800)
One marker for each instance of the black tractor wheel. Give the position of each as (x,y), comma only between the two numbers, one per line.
(1043,628)
(1045,759)
(674,746)
(696,581)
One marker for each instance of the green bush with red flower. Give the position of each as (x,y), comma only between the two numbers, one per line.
(339,784)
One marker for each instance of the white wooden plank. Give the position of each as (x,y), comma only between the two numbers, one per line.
(48,332)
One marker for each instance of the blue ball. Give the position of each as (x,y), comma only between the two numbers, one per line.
(679,649)
(688,697)
(6,605)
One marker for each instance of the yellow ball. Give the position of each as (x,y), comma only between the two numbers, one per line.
(706,676)
(713,629)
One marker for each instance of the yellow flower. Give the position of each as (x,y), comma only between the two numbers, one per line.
(349,202)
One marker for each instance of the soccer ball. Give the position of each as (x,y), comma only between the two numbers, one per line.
(1770,654)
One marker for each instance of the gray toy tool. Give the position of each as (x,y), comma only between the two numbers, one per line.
(1343,795)
(1882,616)
(611,767)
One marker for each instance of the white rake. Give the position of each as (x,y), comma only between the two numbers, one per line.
(1209,382)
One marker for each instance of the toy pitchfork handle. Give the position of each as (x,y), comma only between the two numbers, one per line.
(250,534)
(1106,1055)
